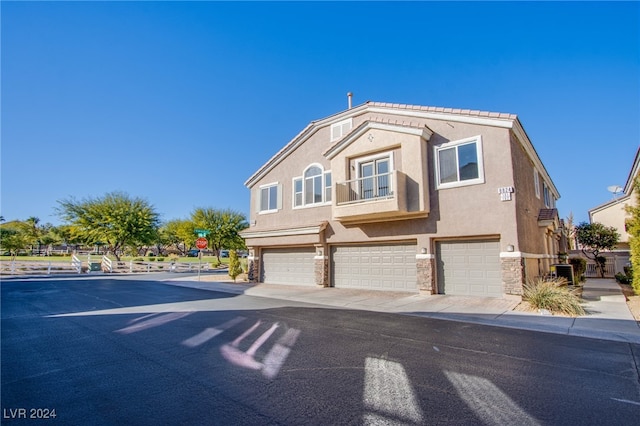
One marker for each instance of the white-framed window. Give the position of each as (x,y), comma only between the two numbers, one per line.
(313,187)
(327,187)
(270,198)
(341,128)
(459,163)
(547,196)
(536,182)
(374,174)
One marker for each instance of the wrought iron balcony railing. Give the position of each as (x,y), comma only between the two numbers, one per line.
(370,188)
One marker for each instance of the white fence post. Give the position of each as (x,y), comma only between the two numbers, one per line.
(76,263)
(107,264)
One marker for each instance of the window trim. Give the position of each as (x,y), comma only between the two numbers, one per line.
(452,144)
(375,157)
(548,203)
(278,187)
(536,182)
(302,178)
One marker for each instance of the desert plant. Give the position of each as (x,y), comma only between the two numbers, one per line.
(632,223)
(235,268)
(579,267)
(623,278)
(552,295)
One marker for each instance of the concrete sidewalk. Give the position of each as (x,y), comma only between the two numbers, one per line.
(608,316)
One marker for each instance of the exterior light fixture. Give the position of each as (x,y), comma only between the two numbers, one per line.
(510,248)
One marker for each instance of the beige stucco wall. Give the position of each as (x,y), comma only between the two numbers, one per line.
(408,152)
(460,212)
(473,210)
(292,166)
(463,212)
(531,237)
(615,215)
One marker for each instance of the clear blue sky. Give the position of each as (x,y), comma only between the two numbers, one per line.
(180,102)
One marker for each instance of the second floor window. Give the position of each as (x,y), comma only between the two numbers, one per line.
(459,163)
(314,187)
(270,198)
(548,198)
(536,182)
(375,178)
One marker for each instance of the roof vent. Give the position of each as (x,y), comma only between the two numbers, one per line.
(349,96)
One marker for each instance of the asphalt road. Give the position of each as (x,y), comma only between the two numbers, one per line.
(137,352)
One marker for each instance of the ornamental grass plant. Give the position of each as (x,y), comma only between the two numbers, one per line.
(552,295)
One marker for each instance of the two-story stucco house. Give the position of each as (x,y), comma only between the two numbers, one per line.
(614,212)
(404,198)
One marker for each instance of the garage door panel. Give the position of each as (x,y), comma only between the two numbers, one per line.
(288,266)
(469,268)
(387,267)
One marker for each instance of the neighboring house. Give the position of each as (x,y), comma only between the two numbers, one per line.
(405,198)
(613,213)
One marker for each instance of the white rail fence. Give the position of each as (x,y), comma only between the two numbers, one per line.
(593,271)
(94,265)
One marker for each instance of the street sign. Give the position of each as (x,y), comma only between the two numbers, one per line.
(201,243)
(202,232)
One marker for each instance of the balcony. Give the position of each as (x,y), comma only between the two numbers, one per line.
(370,199)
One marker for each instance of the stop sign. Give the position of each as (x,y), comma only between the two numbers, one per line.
(201,243)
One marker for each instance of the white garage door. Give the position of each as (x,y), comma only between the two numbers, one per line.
(469,268)
(288,266)
(383,267)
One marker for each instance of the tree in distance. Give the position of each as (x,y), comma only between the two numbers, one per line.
(594,238)
(224,228)
(116,219)
(180,233)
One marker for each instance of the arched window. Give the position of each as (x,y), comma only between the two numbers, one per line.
(313,187)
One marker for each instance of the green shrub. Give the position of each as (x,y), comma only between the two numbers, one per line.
(552,295)
(622,278)
(635,263)
(579,267)
(160,259)
(626,277)
(235,268)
